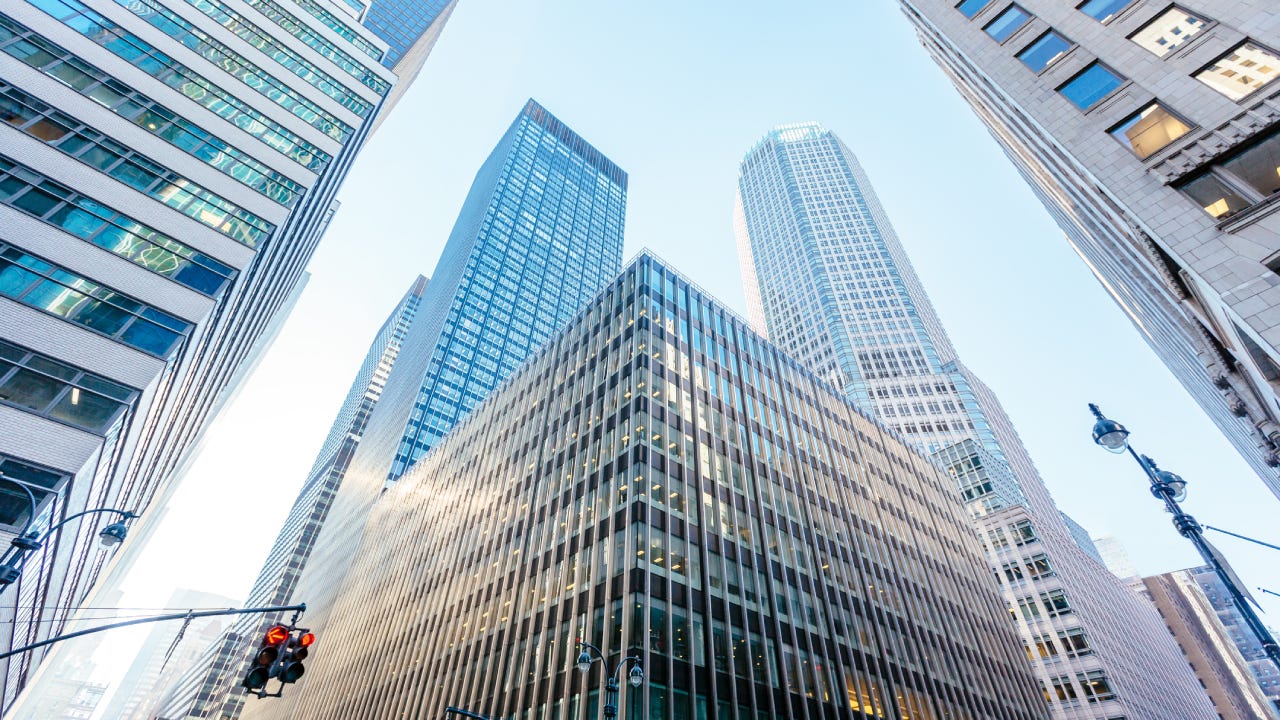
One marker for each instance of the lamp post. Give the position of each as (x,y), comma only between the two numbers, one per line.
(28,541)
(635,677)
(1172,489)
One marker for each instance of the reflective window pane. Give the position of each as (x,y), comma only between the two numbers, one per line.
(1090,85)
(969,8)
(1259,166)
(1104,10)
(1007,23)
(1168,30)
(1149,130)
(30,389)
(85,409)
(1215,196)
(1241,71)
(1045,51)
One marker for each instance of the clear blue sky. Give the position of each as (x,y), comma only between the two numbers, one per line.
(676,93)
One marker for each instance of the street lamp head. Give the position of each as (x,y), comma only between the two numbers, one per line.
(1177,487)
(113,534)
(584,662)
(1108,433)
(636,677)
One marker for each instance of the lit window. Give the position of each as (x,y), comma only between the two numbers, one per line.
(1215,196)
(1007,23)
(1168,30)
(1045,51)
(1104,10)
(1149,130)
(1090,85)
(1241,71)
(1259,166)
(1095,685)
(969,8)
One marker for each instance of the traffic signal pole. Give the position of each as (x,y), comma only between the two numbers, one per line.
(189,615)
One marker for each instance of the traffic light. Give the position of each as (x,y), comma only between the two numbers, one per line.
(266,660)
(295,651)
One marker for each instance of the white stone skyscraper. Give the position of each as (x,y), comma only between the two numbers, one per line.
(1151,133)
(833,286)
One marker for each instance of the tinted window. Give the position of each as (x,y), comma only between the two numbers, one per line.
(1090,85)
(1045,51)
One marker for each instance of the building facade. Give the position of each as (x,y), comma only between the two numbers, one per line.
(539,233)
(164,655)
(658,480)
(210,685)
(1209,645)
(167,169)
(835,288)
(1150,132)
(1264,670)
(410,28)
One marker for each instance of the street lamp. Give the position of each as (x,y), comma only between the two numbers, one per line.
(28,541)
(635,677)
(1172,489)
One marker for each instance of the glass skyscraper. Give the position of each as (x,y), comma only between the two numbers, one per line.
(660,481)
(539,233)
(832,284)
(167,169)
(210,688)
(410,28)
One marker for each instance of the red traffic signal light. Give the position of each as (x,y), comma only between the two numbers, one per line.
(307,639)
(276,635)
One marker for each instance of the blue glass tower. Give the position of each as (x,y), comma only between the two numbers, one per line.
(410,28)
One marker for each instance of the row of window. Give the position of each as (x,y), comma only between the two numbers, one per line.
(1231,185)
(334,23)
(26,190)
(144,112)
(143,174)
(316,42)
(273,48)
(1094,684)
(42,285)
(235,64)
(56,390)
(40,53)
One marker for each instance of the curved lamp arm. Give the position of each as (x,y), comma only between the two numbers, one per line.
(124,515)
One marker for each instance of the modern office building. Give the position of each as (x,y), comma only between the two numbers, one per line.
(166,170)
(210,685)
(1209,645)
(1151,133)
(661,482)
(171,648)
(835,289)
(1264,670)
(539,233)
(410,28)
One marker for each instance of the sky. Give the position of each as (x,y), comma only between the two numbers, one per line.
(676,93)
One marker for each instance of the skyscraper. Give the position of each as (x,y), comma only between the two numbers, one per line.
(1150,132)
(1263,669)
(538,234)
(211,685)
(411,28)
(166,170)
(661,482)
(1209,645)
(833,285)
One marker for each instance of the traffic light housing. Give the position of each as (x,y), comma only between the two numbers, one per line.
(267,658)
(294,652)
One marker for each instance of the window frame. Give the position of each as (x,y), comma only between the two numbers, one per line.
(1252,93)
(1136,116)
(1012,7)
(1101,98)
(1112,17)
(1071,45)
(1208,23)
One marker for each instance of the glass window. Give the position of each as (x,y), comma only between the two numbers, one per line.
(1045,51)
(1090,85)
(1214,195)
(969,8)
(1150,129)
(1241,71)
(1168,30)
(1104,10)
(1007,23)
(1259,166)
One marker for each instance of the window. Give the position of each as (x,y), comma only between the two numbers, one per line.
(1063,689)
(1038,566)
(1213,194)
(1104,10)
(1023,533)
(1044,51)
(1074,642)
(1240,72)
(1096,687)
(1259,166)
(1149,130)
(1007,23)
(54,390)
(1055,602)
(1090,85)
(1168,30)
(15,507)
(969,8)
